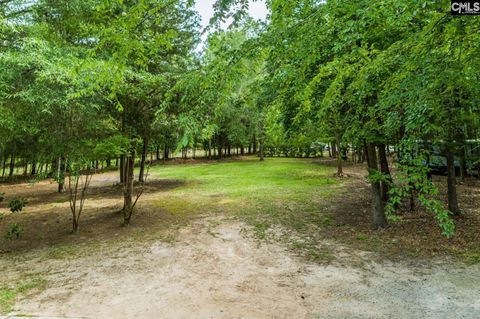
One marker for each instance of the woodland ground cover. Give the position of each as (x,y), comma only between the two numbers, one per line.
(384,89)
(299,203)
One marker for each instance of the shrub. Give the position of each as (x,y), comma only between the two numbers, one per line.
(14,232)
(17,205)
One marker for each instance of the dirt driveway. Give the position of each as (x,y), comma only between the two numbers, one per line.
(216,270)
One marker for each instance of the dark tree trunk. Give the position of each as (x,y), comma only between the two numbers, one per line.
(5,156)
(141,177)
(25,168)
(60,176)
(378,209)
(166,153)
(339,158)
(385,171)
(451,183)
(12,164)
(158,153)
(122,169)
(242,150)
(262,155)
(128,188)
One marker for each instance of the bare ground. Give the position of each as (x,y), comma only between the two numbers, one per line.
(215,270)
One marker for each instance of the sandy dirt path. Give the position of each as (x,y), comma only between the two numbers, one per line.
(215,270)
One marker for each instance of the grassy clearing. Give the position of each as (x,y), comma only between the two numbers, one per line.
(286,192)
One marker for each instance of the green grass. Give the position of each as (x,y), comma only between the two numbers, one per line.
(286,192)
(9,292)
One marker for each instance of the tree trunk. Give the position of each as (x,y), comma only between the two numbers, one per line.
(33,172)
(76,226)
(261,150)
(122,169)
(334,150)
(451,183)
(128,188)
(339,158)
(158,152)
(141,176)
(385,171)
(12,164)
(378,209)
(25,168)
(61,168)
(166,153)
(4,163)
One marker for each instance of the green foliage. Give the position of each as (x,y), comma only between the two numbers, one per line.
(14,232)
(17,205)
(412,177)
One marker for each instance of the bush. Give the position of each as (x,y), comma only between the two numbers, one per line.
(14,232)
(17,205)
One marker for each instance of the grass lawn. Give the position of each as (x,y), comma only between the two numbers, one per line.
(277,191)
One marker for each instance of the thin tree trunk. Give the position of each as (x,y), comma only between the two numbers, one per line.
(33,172)
(166,153)
(339,158)
(122,169)
(143,160)
(4,163)
(451,183)
(12,164)
(25,168)
(128,189)
(385,171)
(378,209)
(262,155)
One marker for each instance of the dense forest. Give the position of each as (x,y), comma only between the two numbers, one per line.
(87,85)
